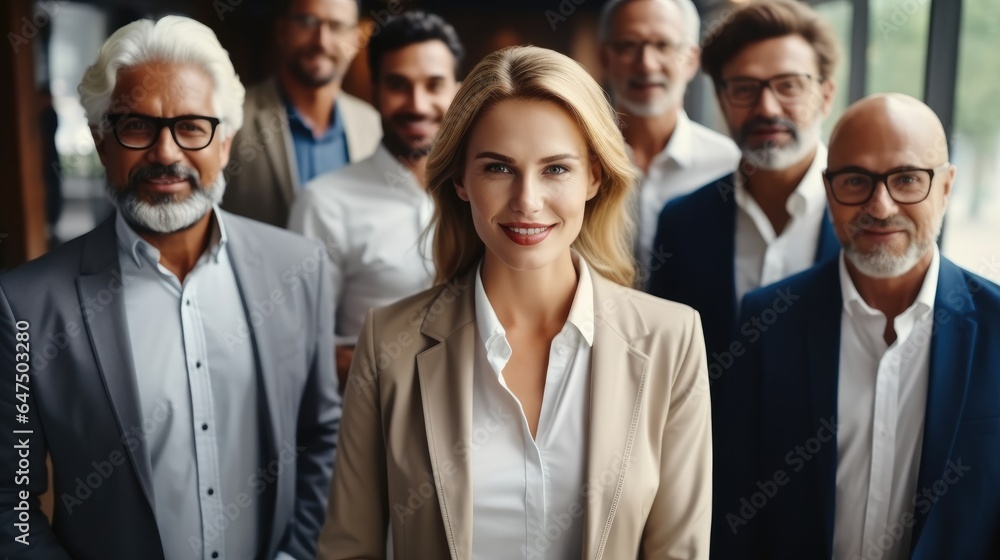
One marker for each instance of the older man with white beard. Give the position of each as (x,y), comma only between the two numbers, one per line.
(176,362)
(649,53)
(869,412)
(772,63)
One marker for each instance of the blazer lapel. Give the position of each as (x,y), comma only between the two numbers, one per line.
(445,375)
(617,377)
(829,245)
(246,262)
(727,275)
(952,340)
(109,337)
(278,143)
(823,358)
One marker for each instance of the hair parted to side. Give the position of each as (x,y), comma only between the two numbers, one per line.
(692,20)
(537,74)
(172,39)
(760,20)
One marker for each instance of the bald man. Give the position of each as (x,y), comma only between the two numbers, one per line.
(863,417)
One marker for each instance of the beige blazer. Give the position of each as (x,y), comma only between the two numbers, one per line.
(262,178)
(403,455)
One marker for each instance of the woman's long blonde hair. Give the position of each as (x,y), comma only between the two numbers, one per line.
(533,73)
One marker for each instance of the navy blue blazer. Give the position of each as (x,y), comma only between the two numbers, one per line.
(782,397)
(693,260)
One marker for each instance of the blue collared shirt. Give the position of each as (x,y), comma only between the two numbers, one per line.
(317,155)
(198,396)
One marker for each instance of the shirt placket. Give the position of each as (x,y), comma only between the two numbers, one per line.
(883,446)
(206,456)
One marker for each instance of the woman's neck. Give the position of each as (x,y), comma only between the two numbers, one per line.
(533,299)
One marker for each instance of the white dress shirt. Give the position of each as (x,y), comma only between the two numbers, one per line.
(762,256)
(369,216)
(881,399)
(528,499)
(694,156)
(198,396)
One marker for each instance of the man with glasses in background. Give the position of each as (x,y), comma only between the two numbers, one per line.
(649,52)
(772,63)
(176,362)
(865,422)
(300,123)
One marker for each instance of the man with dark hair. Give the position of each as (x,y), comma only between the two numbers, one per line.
(649,53)
(301,124)
(772,64)
(370,215)
(865,422)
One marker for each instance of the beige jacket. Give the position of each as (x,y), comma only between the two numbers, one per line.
(403,455)
(261,178)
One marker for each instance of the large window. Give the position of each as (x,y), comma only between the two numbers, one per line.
(897,46)
(972,231)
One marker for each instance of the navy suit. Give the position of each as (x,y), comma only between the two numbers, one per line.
(783,394)
(694,254)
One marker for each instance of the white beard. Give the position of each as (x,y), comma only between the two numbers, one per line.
(882,263)
(168,216)
(782,157)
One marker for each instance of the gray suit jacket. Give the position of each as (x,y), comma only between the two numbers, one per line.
(262,178)
(82,405)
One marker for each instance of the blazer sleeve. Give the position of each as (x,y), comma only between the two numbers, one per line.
(21,516)
(661,281)
(735,437)
(316,433)
(358,514)
(679,522)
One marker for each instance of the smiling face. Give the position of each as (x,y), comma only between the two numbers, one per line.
(318,39)
(882,238)
(164,188)
(648,80)
(415,86)
(527,177)
(777,134)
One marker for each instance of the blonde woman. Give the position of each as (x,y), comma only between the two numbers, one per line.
(532,405)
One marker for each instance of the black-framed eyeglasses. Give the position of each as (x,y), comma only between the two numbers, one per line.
(632,49)
(787,88)
(139,132)
(854,186)
(310,23)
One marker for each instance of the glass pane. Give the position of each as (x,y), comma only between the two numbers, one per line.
(972,232)
(897,46)
(839,14)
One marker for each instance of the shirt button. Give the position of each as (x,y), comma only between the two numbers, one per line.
(197,364)
(204,426)
(210,491)
(215,555)
(189,303)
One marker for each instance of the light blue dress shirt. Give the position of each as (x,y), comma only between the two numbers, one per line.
(316,155)
(198,398)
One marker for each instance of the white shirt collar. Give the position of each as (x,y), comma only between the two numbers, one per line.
(678,148)
(855,304)
(395,173)
(581,313)
(135,246)
(808,197)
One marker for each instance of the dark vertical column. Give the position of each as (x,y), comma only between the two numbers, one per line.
(22,195)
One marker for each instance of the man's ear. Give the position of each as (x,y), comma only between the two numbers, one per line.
(692,62)
(99,142)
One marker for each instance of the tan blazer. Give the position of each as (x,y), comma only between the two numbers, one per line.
(262,178)
(403,453)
